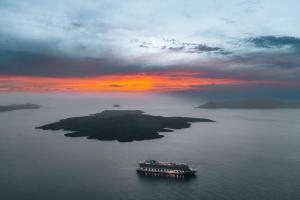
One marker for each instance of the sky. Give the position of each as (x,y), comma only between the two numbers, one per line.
(232,47)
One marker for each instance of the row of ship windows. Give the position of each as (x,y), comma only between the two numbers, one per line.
(161,170)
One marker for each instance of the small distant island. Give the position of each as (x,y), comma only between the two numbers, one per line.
(18,107)
(251,104)
(116,106)
(121,125)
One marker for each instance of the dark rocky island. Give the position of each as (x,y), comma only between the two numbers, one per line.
(251,104)
(18,107)
(121,125)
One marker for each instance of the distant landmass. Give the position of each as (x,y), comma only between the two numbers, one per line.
(121,125)
(18,107)
(251,104)
(116,106)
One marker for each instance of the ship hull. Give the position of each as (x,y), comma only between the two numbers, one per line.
(185,173)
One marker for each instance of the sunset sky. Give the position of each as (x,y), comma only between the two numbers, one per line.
(236,46)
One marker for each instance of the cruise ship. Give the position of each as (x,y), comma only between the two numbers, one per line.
(157,167)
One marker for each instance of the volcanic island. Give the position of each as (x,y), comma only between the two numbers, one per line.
(121,125)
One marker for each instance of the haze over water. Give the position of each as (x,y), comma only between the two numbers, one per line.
(246,154)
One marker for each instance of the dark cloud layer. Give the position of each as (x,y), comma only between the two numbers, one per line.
(279,61)
(46,59)
(276,42)
(42,64)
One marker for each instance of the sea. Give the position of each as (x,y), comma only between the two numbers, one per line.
(244,155)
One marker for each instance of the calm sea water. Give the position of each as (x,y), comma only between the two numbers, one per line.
(246,154)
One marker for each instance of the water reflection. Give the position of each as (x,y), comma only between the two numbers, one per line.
(155,176)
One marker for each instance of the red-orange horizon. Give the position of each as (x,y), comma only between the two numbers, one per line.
(140,82)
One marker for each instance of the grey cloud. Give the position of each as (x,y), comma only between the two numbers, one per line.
(255,66)
(176,49)
(275,42)
(204,48)
(182,47)
(143,46)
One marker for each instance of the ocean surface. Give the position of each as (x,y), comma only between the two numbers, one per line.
(244,155)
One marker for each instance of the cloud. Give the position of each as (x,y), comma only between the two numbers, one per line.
(176,49)
(40,58)
(276,42)
(204,47)
(180,47)
(64,38)
(47,64)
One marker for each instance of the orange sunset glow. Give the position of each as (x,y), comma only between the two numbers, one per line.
(170,81)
